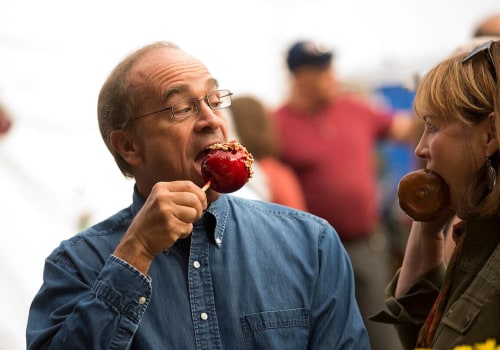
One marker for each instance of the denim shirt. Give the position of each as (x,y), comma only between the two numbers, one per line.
(252,275)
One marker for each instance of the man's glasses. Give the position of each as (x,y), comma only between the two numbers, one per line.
(216,100)
(486,48)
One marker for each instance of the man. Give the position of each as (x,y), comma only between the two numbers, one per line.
(181,268)
(489,26)
(329,138)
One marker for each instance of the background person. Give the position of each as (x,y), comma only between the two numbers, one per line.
(328,136)
(182,268)
(7,277)
(489,26)
(5,121)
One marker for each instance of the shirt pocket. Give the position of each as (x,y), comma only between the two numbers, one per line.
(462,314)
(281,329)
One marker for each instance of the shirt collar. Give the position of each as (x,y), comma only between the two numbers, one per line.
(137,202)
(219,209)
(458,230)
(480,239)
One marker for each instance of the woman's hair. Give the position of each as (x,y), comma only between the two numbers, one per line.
(254,126)
(467,92)
(118,102)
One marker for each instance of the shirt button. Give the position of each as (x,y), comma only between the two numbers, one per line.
(218,240)
(142,300)
(196,264)
(204,316)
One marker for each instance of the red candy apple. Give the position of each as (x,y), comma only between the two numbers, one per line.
(227,166)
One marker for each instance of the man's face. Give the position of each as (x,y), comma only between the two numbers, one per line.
(318,82)
(169,149)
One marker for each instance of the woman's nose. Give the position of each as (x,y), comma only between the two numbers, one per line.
(421,150)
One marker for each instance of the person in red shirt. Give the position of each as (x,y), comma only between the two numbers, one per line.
(328,136)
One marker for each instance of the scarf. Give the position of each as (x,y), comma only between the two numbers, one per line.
(428,330)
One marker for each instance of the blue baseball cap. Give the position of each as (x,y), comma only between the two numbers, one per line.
(308,53)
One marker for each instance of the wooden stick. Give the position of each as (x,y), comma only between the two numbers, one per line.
(206,186)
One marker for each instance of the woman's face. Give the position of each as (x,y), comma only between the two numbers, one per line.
(456,151)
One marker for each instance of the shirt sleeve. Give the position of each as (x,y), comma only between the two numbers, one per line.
(408,312)
(68,312)
(336,319)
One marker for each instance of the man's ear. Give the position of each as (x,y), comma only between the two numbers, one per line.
(125,143)
(492,145)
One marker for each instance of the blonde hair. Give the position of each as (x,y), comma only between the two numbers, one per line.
(467,92)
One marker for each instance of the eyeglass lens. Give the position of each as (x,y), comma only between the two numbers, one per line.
(215,100)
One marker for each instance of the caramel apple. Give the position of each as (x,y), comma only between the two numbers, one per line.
(423,195)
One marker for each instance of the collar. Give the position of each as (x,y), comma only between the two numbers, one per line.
(137,202)
(219,210)
(458,230)
(481,236)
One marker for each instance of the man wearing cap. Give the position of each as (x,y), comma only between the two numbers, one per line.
(328,136)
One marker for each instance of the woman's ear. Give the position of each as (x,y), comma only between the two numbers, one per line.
(492,145)
(125,143)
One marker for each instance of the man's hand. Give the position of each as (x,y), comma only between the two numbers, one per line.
(167,215)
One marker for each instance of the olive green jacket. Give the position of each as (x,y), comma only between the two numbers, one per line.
(472,314)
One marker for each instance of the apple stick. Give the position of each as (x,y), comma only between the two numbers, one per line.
(206,186)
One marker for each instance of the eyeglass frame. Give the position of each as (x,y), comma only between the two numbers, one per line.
(225,93)
(486,48)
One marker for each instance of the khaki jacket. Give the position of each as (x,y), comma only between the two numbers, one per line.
(472,314)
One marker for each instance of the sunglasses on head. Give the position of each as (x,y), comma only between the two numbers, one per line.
(486,49)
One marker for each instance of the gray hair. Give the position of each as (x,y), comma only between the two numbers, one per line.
(117,102)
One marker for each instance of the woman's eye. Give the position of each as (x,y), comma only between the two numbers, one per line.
(430,128)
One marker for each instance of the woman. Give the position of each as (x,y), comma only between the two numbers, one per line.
(431,305)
